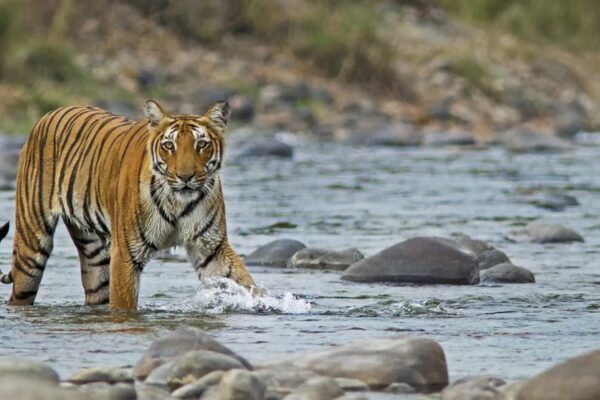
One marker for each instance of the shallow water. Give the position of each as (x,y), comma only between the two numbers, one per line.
(336,196)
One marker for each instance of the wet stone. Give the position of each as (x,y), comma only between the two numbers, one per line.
(264,147)
(316,258)
(438,139)
(99,374)
(149,392)
(426,260)
(400,388)
(394,135)
(24,388)
(191,366)
(351,385)
(319,388)
(574,379)
(485,254)
(541,232)
(283,380)
(196,388)
(106,391)
(177,343)
(275,253)
(419,362)
(26,369)
(507,273)
(475,388)
(238,385)
(523,140)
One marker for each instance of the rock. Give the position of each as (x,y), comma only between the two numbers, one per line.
(523,140)
(149,392)
(510,390)
(282,381)
(434,139)
(570,122)
(555,201)
(177,343)
(106,391)
(109,375)
(191,366)
(400,388)
(24,388)
(196,388)
(319,388)
(417,260)
(574,379)
(240,385)
(419,362)
(485,254)
(26,369)
(475,388)
(507,273)
(325,259)
(396,134)
(351,385)
(264,147)
(275,253)
(541,232)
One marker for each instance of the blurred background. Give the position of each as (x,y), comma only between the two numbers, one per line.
(341,69)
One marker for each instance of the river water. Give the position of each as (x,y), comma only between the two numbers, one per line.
(337,197)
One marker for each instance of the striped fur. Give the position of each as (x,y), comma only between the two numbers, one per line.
(124,190)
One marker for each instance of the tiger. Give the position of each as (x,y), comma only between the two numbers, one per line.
(124,190)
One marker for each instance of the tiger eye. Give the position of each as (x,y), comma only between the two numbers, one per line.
(201,145)
(168,146)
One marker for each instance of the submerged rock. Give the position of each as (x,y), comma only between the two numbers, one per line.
(316,258)
(575,379)
(417,260)
(319,388)
(438,139)
(507,273)
(541,232)
(275,253)
(190,367)
(419,362)
(475,388)
(26,369)
(264,147)
(177,343)
(523,140)
(99,374)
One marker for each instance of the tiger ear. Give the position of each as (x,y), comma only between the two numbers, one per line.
(154,112)
(218,114)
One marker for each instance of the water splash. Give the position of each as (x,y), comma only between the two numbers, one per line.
(219,295)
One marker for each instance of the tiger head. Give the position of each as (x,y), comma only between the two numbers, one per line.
(186,150)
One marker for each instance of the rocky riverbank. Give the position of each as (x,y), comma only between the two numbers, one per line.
(188,364)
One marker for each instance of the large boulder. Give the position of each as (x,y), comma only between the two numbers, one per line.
(275,253)
(26,388)
(418,362)
(485,254)
(316,258)
(25,369)
(417,260)
(574,379)
(177,343)
(507,273)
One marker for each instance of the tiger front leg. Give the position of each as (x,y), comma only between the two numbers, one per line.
(124,278)
(220,261)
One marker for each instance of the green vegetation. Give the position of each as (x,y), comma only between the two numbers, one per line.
(572,23)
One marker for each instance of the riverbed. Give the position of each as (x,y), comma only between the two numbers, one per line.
(337,196)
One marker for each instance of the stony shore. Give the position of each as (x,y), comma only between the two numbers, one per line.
(188,364)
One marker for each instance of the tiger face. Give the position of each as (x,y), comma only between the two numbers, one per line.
(186,151)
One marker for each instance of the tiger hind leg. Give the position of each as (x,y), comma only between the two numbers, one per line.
(32,247)
(94,258)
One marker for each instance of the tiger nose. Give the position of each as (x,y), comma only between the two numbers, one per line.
(185,177)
